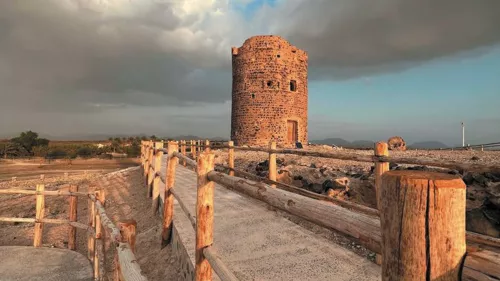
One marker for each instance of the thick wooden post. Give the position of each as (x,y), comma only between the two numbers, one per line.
(422,216)
(381,149)
(272,163)
(168,207)
(73,215)
(183,151)
(207,146)
(157,180)
(40,208)
(231,157)
(204,216)
(128,233)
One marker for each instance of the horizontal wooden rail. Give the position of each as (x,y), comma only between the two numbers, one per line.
(106,221)
(361,158)
(471,236)
(218,265)
(50,221)
(46,192)
(190,216)
(188,160)
(307,193)
(129,267)
(360,227)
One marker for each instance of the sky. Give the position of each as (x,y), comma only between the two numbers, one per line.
(376,68)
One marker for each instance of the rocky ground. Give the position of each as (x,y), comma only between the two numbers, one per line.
(354,181)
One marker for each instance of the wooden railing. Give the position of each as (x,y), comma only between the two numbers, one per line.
(99,224)
(360,223)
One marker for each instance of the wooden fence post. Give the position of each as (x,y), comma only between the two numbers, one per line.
(381,149)
(183,151)
(193,150)
(128,233)
(422,216)
(231,157)
(168,207)
(151,172)
(272,163)
(157,179)
(40,208)
(98,244)
(204,216)
(146,163)
(73,216)
(207,146)
(90,238)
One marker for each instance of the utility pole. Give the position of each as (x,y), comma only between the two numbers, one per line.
(463,134)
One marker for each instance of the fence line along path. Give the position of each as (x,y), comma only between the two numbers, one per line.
(258,244)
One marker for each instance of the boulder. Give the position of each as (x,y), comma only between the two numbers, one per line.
(396,143)
(284,177)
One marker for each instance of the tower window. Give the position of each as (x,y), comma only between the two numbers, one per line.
(269,84)
(253,96)
(279,56)
(293,85)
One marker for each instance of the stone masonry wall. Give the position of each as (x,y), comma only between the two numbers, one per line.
(269,88)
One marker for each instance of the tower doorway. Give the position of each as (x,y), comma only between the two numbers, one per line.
(292,128)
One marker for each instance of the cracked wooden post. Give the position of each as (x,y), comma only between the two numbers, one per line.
(422,216)
(231,157)
(183,151)
(168,206)
(157,180)
(73,217)
(272,163)
(204,216)
(40,208)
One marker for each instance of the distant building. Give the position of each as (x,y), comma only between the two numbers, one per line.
(269,92)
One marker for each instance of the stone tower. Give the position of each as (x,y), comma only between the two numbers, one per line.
(269,94)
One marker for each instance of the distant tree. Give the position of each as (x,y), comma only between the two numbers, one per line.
(84,152)
(144,138)
(28,140)
(153,137)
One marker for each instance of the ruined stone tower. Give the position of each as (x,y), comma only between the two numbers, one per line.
(269,96)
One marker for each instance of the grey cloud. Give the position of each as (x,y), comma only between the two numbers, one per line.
(120,59)
(349,38)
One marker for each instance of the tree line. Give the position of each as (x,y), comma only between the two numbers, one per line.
(29,144)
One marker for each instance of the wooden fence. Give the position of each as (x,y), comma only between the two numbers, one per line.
(360,223)
(99,228)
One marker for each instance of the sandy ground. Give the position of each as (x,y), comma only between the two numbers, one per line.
(33,168)
(125,199)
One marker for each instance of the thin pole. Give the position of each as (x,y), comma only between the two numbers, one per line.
(463,134)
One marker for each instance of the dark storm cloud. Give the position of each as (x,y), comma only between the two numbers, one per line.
(356,37)
(77,57)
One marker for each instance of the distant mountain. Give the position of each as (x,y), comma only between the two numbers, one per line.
(330,141)
(428,145)
(363,143)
